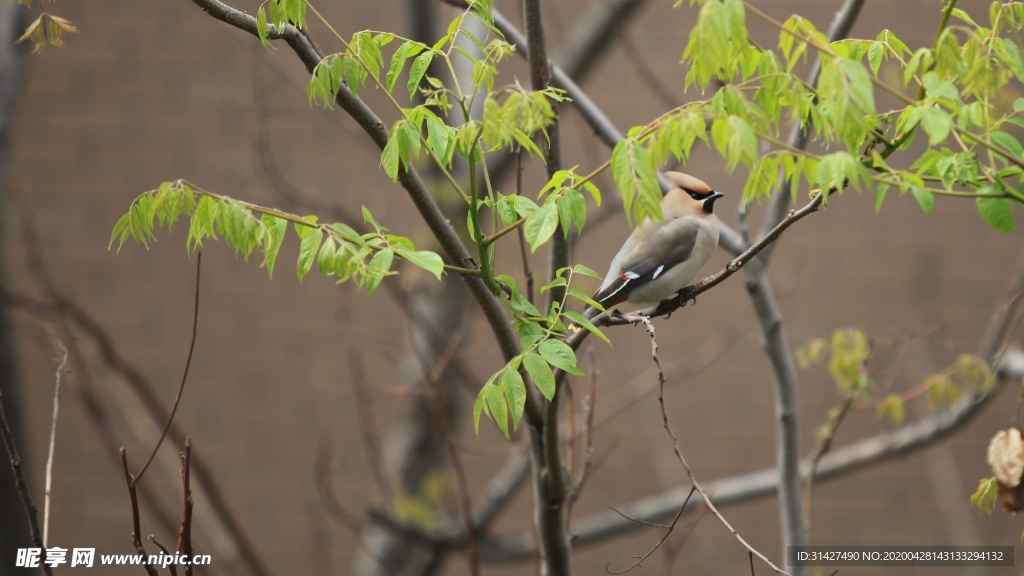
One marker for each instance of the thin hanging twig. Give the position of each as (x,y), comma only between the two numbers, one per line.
(53,443)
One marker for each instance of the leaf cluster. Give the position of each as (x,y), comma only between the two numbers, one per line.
(336,249)
(847,354)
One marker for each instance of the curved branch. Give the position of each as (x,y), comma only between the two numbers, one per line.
(667,307)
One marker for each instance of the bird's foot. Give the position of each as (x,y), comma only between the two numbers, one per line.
(683,300)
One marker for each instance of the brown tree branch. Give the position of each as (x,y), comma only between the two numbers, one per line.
(31,510)
(682,460)
(184,375)
(53,441)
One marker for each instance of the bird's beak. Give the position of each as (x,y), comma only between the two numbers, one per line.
(715,195)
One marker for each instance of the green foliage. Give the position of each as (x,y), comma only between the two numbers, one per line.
(849,351)
(985,497)
(46,30)
(847,354)
(281,13)
(873,98)
(503,397)
(336,249)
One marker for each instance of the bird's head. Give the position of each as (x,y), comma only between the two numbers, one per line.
(700,194)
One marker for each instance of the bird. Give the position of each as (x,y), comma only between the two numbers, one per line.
(660,257)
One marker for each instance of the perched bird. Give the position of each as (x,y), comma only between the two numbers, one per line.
(660,257)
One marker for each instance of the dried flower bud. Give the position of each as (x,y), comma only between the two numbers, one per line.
(1006,457)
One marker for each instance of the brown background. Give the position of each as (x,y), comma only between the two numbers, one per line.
(152,91)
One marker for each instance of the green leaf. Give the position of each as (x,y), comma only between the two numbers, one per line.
(938,87)
(577,208)
(876,51)
(892,405)
(1009,142)
(346,232)
(585,298)
(404,52)
(861,90)
(262,30)
(308,249)
(494,398)
(440,140)
(581,269)
(529,334)
(276,229)
(429,261)
(936,123)
(541,374)
(417,70)
(515,392)
(924,198)
(880,196)
(523,205)
(301,229)
(389,156)
(505,210)
(986,496)
(541,225)
(996,212)
(325,258)
(580,319)
(120,232)
(379,266)
(478,408)
(962,15)
(559,355)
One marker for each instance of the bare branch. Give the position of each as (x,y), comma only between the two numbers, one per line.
(667,307)
(19,478)
(184,376)
(682,460)
(129,480)
(185,534)
(53,442)
(668,532)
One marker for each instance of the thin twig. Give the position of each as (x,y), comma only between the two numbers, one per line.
(185,536)
(668,532)
(173,568)
(53,442)
(129,480)
(527,272)
(432,372)
(679,453)
(19,479)
(673,551)
(184,376)
(66,311)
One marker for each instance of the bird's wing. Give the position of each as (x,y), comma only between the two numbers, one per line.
(656,250)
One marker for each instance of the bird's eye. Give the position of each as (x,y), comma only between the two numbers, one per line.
(693,195)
